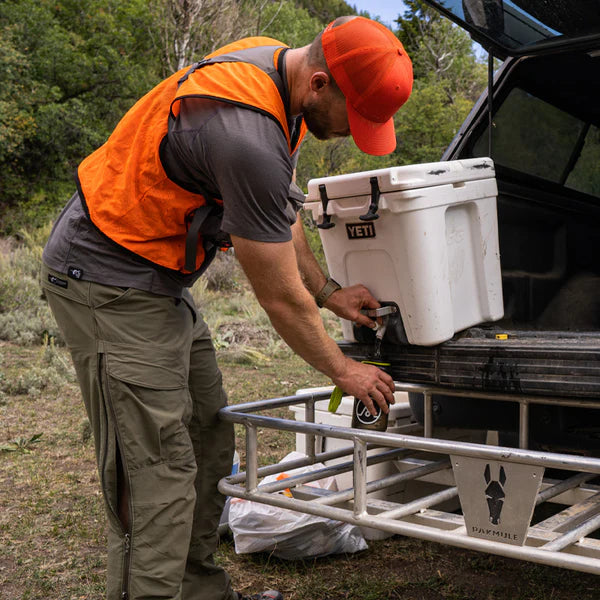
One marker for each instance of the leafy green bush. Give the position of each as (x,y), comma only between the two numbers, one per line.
(70,71)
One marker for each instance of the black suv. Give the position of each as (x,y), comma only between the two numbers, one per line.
(543,111)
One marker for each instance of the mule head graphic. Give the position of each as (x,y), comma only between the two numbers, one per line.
(494,493)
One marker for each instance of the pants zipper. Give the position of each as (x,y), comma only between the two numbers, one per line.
(126,568)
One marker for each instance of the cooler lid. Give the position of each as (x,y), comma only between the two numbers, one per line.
(396,179)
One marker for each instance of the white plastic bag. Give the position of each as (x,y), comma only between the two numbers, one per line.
(289,534)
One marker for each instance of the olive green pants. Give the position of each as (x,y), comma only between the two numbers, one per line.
(152,389)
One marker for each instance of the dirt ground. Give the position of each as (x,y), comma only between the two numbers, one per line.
(52,527)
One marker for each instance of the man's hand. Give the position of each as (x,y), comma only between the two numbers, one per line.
(347,303)
(367,383)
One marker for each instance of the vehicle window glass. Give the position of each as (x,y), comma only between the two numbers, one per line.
(520,24)
(585,177)
(532,136)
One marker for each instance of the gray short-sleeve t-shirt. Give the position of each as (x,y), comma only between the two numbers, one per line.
(234,153)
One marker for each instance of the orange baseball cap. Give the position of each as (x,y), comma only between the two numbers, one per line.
(373,71)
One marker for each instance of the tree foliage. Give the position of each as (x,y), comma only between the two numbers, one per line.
(72,68)
(186,30)
(441,51)
(75,67)
(427,123)
(449,77)
(292,25)
(326,11)
(16,119)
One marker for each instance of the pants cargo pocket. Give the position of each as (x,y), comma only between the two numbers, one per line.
(148,401)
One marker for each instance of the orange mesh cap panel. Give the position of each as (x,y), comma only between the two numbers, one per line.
(371,67)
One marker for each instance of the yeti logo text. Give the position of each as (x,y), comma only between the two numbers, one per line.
(494,493)
(357,231)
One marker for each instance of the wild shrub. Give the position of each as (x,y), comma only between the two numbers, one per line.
(24,314)
(240,327)
(224,273)
(50,369)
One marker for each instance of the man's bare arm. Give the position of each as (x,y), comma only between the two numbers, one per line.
(273,272)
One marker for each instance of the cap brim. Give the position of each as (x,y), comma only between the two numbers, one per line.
(371,137)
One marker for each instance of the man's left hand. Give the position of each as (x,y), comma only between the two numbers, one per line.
(348,301)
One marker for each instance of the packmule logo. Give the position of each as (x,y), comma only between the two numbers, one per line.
(497,497)
(494,493)
(364,416)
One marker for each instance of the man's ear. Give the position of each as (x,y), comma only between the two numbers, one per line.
(319,81)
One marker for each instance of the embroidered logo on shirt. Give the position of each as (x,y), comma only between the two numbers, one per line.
(58,281)
(75,273)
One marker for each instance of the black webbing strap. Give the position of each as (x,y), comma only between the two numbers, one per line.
(294,124)
(193,68)
(191,239)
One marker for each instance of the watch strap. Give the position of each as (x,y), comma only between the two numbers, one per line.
(330,286)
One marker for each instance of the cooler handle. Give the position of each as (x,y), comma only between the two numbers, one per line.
(371,215)
(326,223)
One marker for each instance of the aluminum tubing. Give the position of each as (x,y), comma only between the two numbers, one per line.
(526,553)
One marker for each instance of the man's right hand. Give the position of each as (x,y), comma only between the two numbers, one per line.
(368,383)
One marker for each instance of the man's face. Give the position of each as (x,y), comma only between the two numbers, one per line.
(326,116)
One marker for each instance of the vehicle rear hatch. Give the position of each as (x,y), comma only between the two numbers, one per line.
(524,27)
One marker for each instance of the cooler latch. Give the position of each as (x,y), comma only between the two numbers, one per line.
(371,215)
(326,223)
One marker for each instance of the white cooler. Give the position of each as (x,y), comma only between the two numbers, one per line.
(432,247)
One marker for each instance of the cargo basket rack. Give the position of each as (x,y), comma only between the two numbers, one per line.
(484,497)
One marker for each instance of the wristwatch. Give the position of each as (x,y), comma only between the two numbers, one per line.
(326,291)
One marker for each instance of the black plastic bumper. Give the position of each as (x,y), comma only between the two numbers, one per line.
(540,363)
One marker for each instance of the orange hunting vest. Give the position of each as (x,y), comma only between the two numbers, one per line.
(125,190)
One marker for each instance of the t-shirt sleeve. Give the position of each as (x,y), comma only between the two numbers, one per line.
(242,156)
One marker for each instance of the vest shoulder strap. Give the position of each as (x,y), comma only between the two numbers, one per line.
(248,75)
